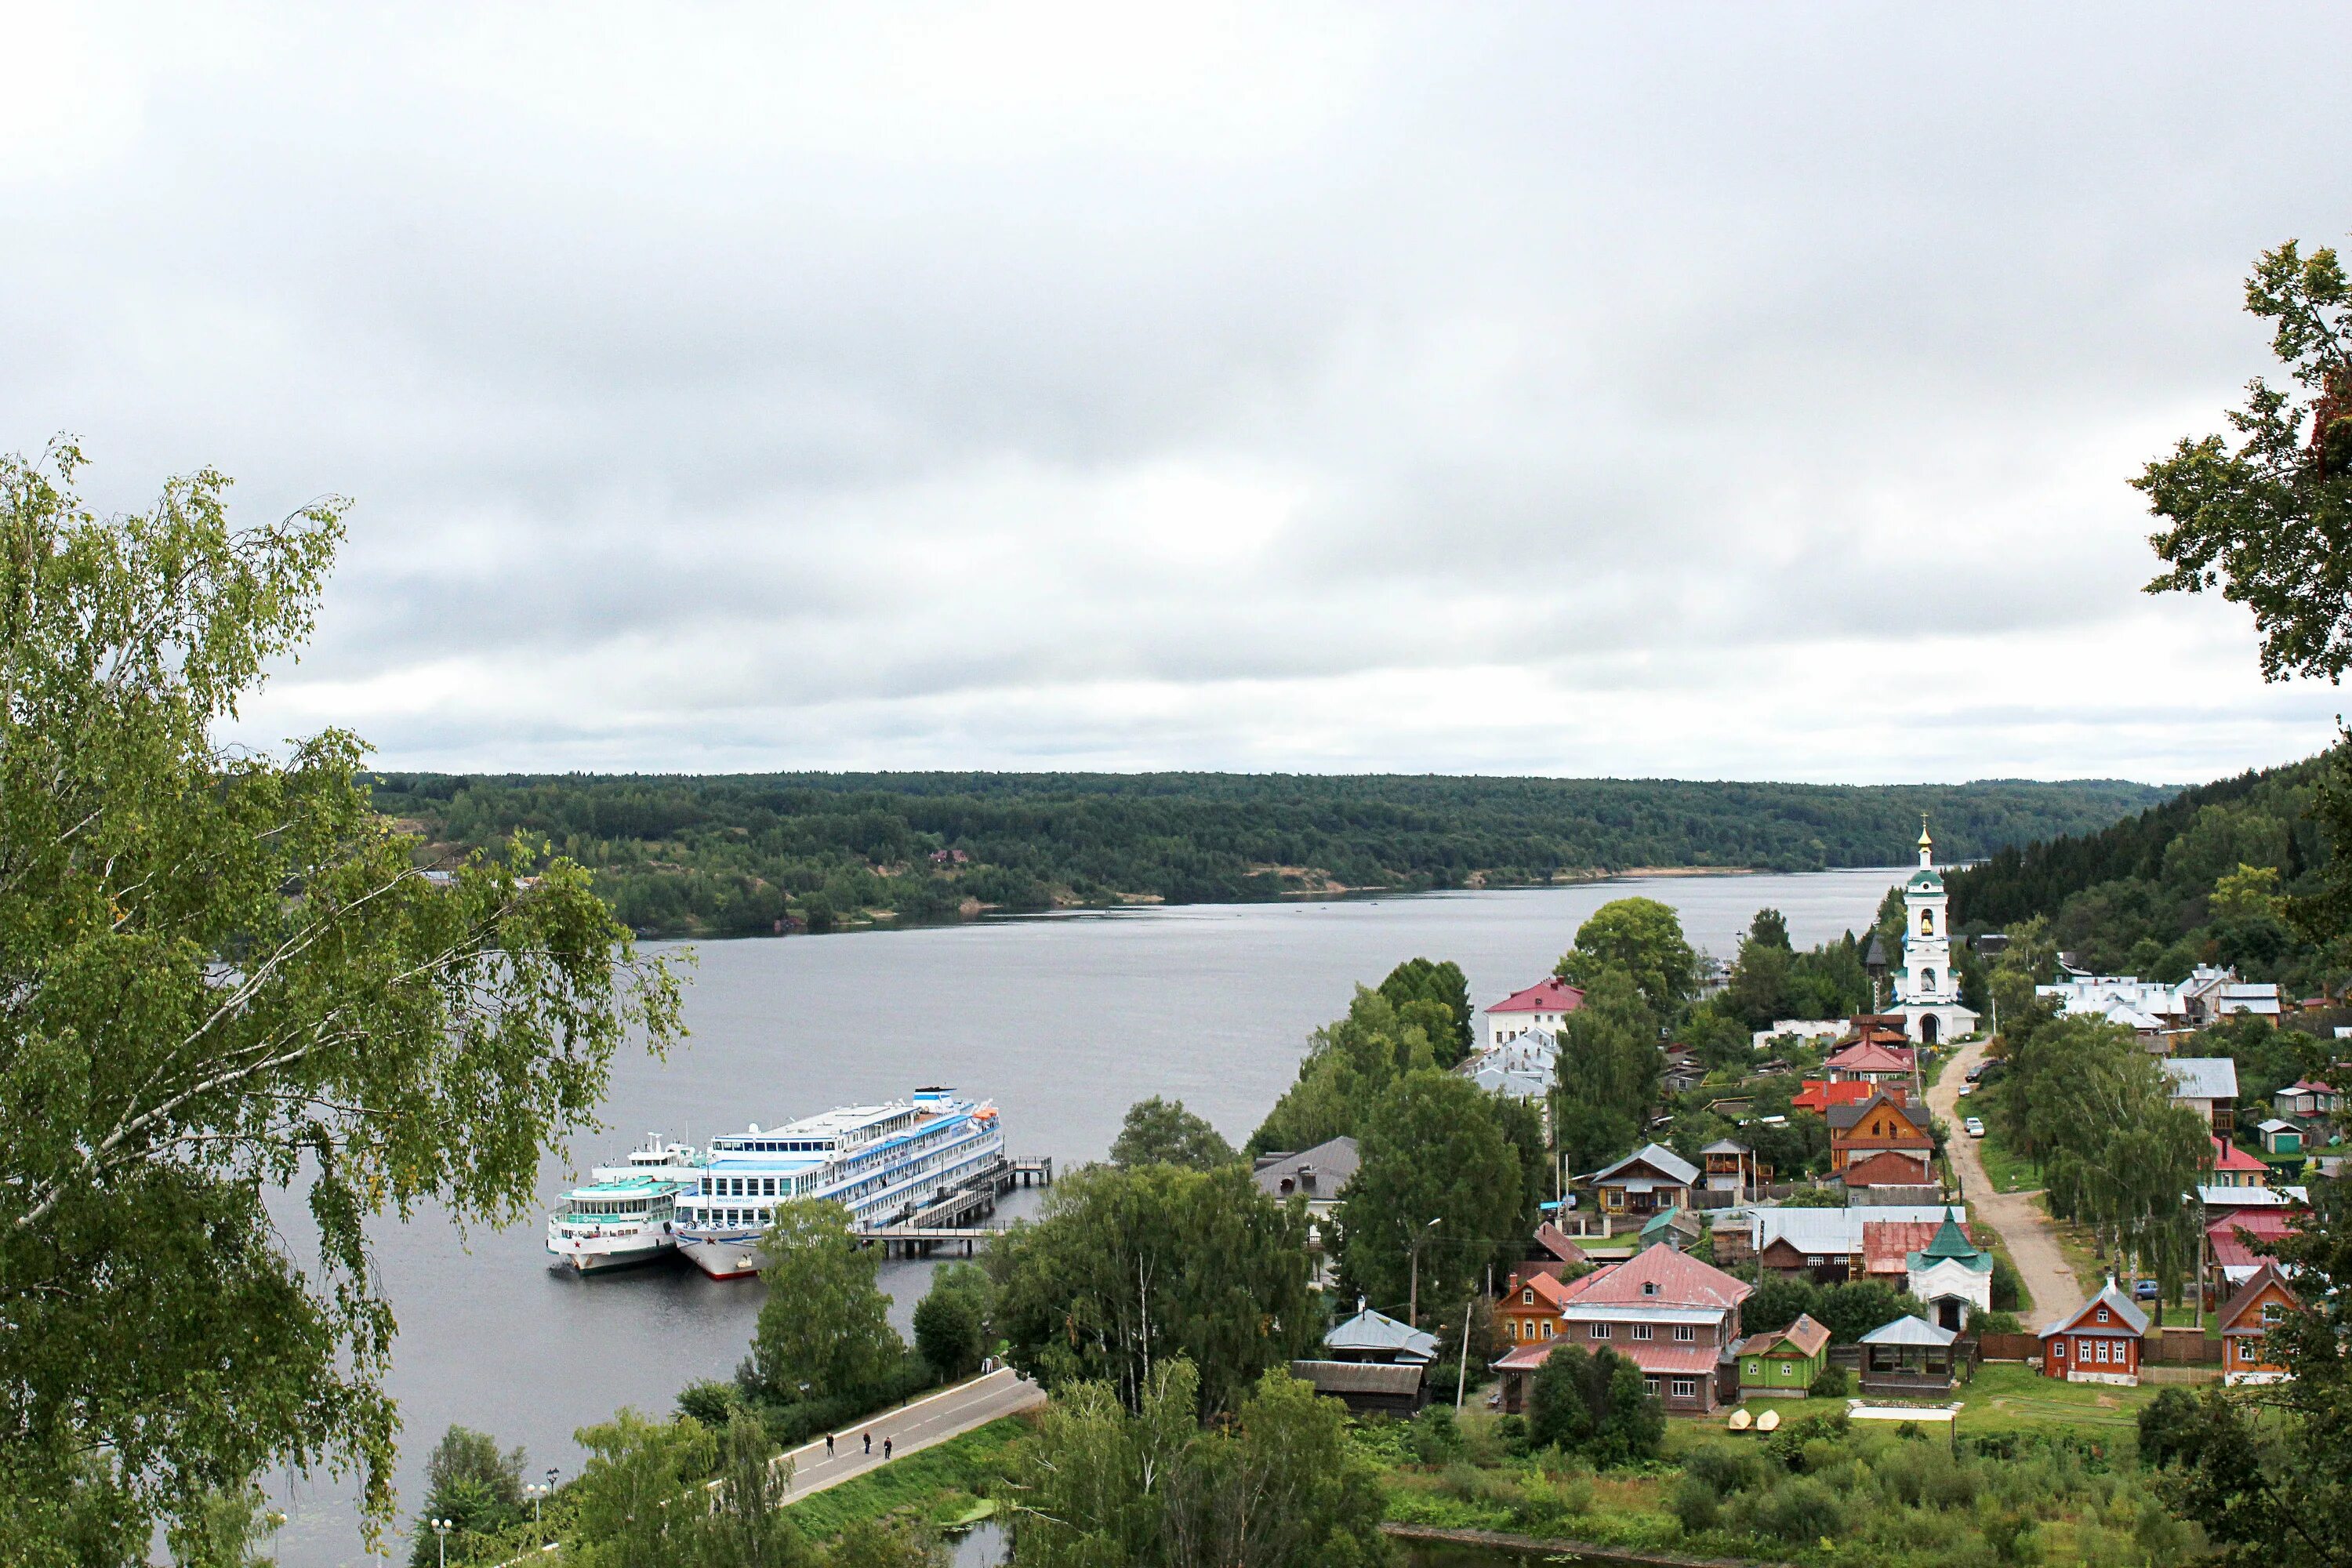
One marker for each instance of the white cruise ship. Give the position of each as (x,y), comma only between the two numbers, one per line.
(627,1214)
(881,1163)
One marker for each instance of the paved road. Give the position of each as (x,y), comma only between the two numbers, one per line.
(2019,1218)
(911,1428)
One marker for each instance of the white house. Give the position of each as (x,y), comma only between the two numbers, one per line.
(1544,1006)
(1521,1067)
(2208,1085)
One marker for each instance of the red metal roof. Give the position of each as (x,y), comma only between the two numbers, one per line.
(2228,1156)
(2233,1238)
(1819,1095)
(1681,1282)
(1869,1056)
(1660,1357)
(1553,995)
(1888,1244)
(1888,1168)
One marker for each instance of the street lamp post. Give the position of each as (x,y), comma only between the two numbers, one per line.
(441,1528)
(1412,1306)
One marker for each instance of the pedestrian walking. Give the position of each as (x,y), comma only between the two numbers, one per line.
(828,1445)
(886,1449)
(869,1442)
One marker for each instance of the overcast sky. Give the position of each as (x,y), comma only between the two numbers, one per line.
(1719,392)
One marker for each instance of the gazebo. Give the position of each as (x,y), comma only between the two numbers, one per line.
(1907,1356)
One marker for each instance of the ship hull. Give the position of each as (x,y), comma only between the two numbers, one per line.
(723,1255)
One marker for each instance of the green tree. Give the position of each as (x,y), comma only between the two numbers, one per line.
(224,976)
(824,1329)
(1126,1270)
(1280,1485)
(1433,1148)
(1610,1069)
(468,1479)
(631,1504)
(1642,937)
(1452,1030)
(746,1525)
(2267,1470)
(1760,984)
(2267,521)
(1594,1405)
(1770,929)
(887,1543)
(1347,1063)
(1162,1133)
(951,1321)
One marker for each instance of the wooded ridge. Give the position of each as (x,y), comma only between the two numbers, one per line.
(721,854)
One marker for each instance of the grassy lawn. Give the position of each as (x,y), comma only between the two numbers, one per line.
(2010,1173)
(939,1485)
(2005,1397)
(1986,1236)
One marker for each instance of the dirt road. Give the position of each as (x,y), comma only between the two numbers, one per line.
(2024,1223)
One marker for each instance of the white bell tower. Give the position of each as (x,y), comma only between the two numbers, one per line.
(1926,992)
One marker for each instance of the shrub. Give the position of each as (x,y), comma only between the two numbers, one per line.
(1695,1505)
(1433,1439)
(1998,1322)
(1725,1469)
(1799,1509)
(2169,1426)
(1833,1382)
(710,1401)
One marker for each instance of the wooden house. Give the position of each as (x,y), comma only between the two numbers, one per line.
(1529,1312)
(2249,1316)
(1649,1180)
(2102,1342)
(1668,1313)
(1783,1363)
(1880,1144)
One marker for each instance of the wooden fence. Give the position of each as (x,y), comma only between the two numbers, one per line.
(2009,1347)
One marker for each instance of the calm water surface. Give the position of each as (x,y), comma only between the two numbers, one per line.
(1064,1021)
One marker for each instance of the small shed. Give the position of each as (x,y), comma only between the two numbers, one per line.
(1784,1362)
(1677,1227)
(1371,1336)
(1908,1356)
(1366,1388)
(2280,1137)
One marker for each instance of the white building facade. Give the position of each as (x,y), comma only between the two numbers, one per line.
(1926,989)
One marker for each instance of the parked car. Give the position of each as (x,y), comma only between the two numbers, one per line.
(2146,1290)
(1966,1089)
(1975,1127)
(1976,1072)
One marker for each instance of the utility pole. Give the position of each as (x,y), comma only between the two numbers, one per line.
(1413,1305)
(1461,1372)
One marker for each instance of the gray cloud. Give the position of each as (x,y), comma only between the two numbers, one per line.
(1740,391)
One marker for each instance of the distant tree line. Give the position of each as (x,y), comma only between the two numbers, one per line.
(735,854)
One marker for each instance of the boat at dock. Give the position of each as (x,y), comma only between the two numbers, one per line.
(882,1162)
(627,1214)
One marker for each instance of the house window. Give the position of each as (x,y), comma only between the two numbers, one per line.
(1816,1261)
(2102,1314)
(1528,1297)
(2058,1349)
(1649,1287)
(2245,1350)
(1684,1388)
(1650,1386)
(2101,1353)
(1547,1331)
(2270,1311)
(1600,1330)
(1684,1332)
(1640,1330)
(1787,1370)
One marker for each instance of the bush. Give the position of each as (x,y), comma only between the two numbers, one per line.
(1996,1323)
(711,1402)
(1799,1509)
(1725,1469)
(1695,1505)
(1832,1384)
(1433,1439)
(2008,1289)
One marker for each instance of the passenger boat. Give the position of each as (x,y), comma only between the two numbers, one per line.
(627,1214)
(882,1162)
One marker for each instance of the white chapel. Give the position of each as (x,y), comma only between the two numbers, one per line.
(1927,991)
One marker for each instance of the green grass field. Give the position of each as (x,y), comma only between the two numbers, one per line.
(2010,1173)
(940,1485)
(2007,1396)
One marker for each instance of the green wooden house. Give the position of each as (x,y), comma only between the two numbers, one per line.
(1784,1362)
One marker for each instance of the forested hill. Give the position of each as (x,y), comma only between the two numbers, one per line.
(2194,879)
(734,854)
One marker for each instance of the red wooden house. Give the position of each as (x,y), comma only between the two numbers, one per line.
(2250,1315)
(2100,1342)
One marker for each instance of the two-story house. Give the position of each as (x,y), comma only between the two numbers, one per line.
(1543,1005)
(2209,1086)
(2250,1315)
(1649,1180)
(1673,1316)
(1880,1144)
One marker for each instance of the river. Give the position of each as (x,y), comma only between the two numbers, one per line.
(1063,1020)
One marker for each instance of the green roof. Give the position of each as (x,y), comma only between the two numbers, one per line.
(1951,1242)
